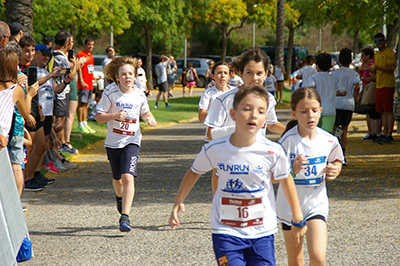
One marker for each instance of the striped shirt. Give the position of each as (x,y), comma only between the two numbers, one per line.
(6,109)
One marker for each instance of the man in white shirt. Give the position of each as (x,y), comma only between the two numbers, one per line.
(161,72)
(308,70)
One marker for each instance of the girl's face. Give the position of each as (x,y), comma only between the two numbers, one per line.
(221,75)
(253,73)
(250,114)
(307,113)
(126,76)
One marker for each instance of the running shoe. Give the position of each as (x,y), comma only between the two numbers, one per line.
(69,165)
(42,179)
(156,106)
(168,106)
(366,137)
(50,167)
(32,185)
(65,148)
(124,224)
(119,204)
(83,130)
(387,140)
(339,132)
(91,131)
(58,164)
(372,137)
(379,139)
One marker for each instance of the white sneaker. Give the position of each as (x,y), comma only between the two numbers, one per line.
(339,132)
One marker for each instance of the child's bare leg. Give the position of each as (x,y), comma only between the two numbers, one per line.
(128,192)
(184,91)
(190,91)
(317,237)
(118,188)
(295,254)
(19,177)
(214,181)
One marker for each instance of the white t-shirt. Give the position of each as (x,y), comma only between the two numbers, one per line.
(122,133)
(269,83)
(235,81)
(140,80)
(208,96)
(279,74)
(347,79)
(306,71)
(61,60)
(46,94)
(161,71)
(244,203)
(106,61)
(310,182)
(219,111)
(327,86)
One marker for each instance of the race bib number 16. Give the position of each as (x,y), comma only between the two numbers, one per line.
(239,212)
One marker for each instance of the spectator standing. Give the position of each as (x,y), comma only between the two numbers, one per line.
(85,86)
(385,63)
(48,41)
(349,80)
(374,121)
(279,72)
(161,72)
(110,52)
(5,34)
(183,81)
(191,77)
(141,80)
(209,72)
(16,32)
(171,70)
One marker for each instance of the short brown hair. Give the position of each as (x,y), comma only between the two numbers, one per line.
(111,70)
(246,90)
(304,93)
(8,66)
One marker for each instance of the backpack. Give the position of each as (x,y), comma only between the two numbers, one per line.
(50,65)
(189,76)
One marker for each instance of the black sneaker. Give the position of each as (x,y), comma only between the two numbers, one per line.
(42,179)
(379,139)
(32,185)
(372,137)
(124,224)
(366,137)
(387,140)
(119,204)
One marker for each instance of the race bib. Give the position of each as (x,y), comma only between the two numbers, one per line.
(241,212)
(90,69)
(127,127)
(48,93)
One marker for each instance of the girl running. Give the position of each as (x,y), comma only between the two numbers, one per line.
(121,107)
(315,156)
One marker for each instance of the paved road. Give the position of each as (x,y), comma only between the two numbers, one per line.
(74,221)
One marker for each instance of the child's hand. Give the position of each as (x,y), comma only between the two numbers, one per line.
(31,121)
(332,171)
(299,163)
(297,234)
(120,116)
(23,80)
(3,141)
(173,219)
(33,89)
(151,122)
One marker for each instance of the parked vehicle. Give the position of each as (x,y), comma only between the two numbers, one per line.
(201,66)
(98,72)
(299,53)
(217,58)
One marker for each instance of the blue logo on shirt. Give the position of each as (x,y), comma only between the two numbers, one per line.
(124,105)
(234,169)
(237,187)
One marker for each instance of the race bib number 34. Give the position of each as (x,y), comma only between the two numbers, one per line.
(238,212)
(127,127)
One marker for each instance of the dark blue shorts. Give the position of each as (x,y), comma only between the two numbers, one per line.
(235,251)
(124,160)
(343,117)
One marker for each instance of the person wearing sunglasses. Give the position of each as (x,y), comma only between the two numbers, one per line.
(385,64)
(5,34)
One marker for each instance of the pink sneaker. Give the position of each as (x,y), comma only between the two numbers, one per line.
(50,167)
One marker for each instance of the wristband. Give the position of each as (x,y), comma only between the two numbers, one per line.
(301,224)
(65,83)
(291,172)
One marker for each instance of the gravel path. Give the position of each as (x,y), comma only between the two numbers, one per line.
(74,221)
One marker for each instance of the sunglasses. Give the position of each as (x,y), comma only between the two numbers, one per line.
(6,37)
(380,40)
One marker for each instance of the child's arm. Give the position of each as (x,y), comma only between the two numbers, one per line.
(217,132)
(289,189)
(24,101)
(27,138)
(332,170)
(277,128)
(149,118)
(202,114)
(187,184)
(104,118)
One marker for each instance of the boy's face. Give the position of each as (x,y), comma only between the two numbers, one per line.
(254,73)
(28,53)
(126,76)
(89,47)
(250,114)
(221,75)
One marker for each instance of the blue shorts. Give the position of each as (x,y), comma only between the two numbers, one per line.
(124,160)
(235,251)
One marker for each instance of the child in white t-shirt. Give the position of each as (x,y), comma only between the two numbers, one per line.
(270,83)
(121,107)
(243,218)
(315,156)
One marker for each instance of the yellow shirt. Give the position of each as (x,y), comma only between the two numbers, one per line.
(385,79)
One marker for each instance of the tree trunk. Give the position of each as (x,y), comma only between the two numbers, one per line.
(20,11)
(355,50)
(149,58)
(290,51)
(392,30)
(280,31)
(224,43)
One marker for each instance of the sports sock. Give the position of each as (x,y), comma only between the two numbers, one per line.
(118,198)
(124,214)
(80,124)
(84,123)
